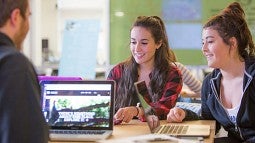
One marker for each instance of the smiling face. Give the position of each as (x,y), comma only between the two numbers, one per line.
(214,48)
(143,46)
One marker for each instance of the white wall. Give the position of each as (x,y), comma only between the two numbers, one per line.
(32,42)
(56,12)
(47,21)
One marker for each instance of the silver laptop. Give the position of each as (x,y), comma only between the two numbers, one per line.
(78,110)
(178,130)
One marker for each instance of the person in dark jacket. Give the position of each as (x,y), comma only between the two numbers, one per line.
(228,93)
(21,117)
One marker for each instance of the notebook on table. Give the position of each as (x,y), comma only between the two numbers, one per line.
(79,110)
(178,130)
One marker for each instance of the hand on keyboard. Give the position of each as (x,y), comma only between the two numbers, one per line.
(117,122)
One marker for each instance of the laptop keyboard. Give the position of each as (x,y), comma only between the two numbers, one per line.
(77,132)
(172,129)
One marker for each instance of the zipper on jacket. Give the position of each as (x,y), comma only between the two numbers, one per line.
(218,100)
(245,88)
(239,131)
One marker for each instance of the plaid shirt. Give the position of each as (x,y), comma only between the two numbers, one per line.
(170,94)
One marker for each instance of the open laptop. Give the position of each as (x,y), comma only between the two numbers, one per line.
(42,78)
(178,130)
(78,110)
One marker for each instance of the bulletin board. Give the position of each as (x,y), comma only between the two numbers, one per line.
(78,57)
(183,20)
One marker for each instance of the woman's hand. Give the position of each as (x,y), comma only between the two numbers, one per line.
(126,114)
(153,121)
(176,115)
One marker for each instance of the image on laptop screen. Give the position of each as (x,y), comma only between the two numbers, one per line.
(77,104)
(80,110)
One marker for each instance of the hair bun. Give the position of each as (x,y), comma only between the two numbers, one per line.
(234,10)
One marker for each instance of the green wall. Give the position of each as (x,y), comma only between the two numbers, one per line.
(120,26)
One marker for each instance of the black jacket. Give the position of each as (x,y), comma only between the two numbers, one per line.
(21,118)
(212,109)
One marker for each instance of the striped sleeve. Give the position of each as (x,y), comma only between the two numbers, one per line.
(189,79)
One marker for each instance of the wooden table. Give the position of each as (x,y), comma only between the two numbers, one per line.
(136,128)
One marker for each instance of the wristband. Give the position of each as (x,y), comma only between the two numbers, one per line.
(137,110)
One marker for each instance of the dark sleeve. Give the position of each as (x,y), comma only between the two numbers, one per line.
(205,111)
(21,118)
(205,93)
(190,115)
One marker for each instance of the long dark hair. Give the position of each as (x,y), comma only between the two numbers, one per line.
(126,91)
(230,22)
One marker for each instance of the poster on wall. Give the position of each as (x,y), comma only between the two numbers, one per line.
(80,41)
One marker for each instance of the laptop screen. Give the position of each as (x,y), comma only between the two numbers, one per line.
(41,78)
(142,91)
(78,104)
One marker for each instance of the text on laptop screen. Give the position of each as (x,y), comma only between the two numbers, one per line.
(86,105)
